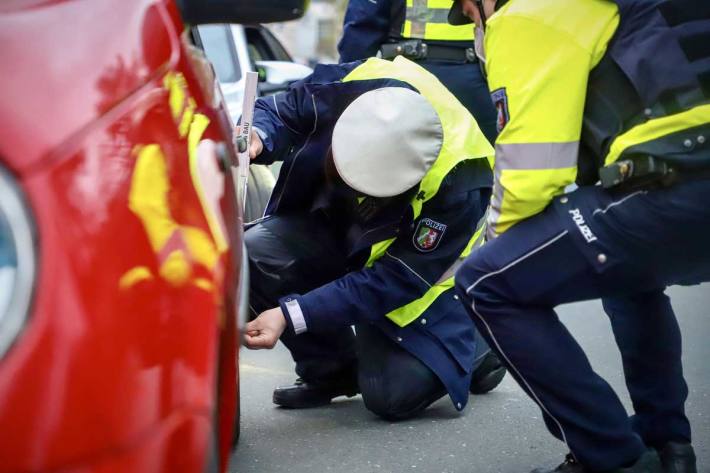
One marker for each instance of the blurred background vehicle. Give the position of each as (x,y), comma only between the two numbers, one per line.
(121,275)
(235,49)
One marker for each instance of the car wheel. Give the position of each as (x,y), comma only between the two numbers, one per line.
(213,454)
(261,183)
(237,420)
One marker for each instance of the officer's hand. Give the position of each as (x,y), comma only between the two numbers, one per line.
(255,147)
(265,330)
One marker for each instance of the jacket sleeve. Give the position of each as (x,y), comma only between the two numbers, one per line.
(285,120)
(403,274)
(365,28)
(537,74)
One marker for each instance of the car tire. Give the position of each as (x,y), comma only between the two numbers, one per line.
(213,454)
(237,420)
(261,183)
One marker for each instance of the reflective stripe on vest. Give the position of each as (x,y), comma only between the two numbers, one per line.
(663,51)
(540,109)
(407,314)
(463,140)
(428,19)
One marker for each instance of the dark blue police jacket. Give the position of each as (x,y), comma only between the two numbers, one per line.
(366,27)
(296,127)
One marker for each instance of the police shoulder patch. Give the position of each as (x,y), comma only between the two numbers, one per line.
(428,234)
(500,101)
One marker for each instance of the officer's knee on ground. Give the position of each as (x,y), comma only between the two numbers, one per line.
(392,403)
(401,387)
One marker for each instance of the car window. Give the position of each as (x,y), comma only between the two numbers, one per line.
(219,46)
(280,53)
(263,46)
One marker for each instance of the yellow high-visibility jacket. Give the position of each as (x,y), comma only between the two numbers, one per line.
(539,58)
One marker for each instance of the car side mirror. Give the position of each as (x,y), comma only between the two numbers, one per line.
(199,12)
(278,75)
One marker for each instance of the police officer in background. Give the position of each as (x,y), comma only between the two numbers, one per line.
(419,30)
(384,183)
(610,91)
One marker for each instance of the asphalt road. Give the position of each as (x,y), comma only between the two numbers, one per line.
(501,432)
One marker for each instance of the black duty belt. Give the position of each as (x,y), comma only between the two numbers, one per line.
(647,172)
(419,50)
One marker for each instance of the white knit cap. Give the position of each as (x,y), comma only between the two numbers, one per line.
(386,140)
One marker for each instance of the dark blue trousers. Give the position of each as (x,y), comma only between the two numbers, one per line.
(467,83)
(298,253)
(639,244)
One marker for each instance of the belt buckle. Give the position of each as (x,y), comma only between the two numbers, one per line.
(637,172)
(413,48)
(616,173)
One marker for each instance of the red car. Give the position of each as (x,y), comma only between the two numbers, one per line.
(121,274)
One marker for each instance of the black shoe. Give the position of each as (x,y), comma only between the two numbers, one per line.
(303,394)
(647,463)
(488,375)
(570,465)
(678,458)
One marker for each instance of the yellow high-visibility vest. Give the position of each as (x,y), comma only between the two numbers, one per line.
(428,19)
(463,140)
(540,55)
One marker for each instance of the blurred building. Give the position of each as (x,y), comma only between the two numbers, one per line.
(314,37)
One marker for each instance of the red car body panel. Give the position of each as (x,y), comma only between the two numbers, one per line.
(128,359)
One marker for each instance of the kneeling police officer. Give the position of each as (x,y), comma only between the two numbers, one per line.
(384,183)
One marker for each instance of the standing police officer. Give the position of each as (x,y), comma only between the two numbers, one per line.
(383,187)
(419,30)
(610,91)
